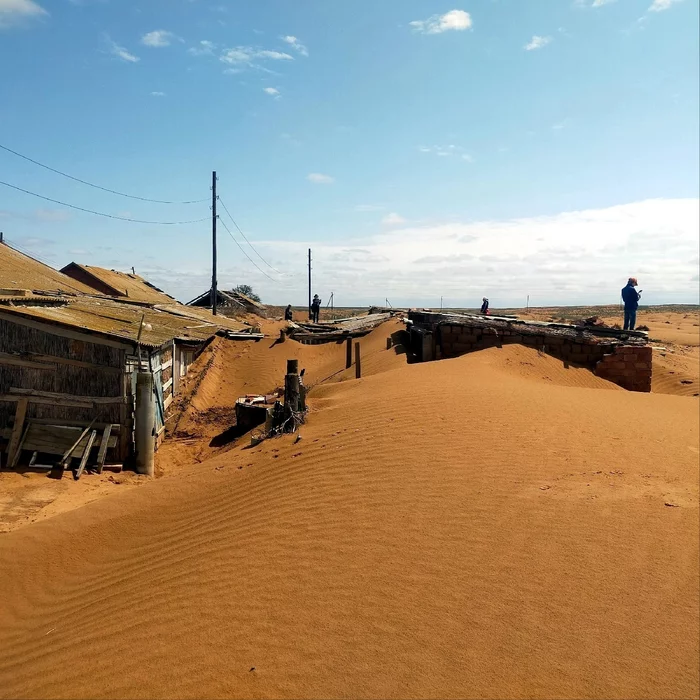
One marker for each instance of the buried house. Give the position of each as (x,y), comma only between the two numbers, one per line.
(230,303)
(69,360)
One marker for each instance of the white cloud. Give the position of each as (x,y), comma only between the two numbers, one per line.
(600,3)
(121,52)
(661,5)
(320,179)
(274,92)
(242,57)
(559,126)
(204,48)
(296,44)
(393,219)
(454,20)
(568,258)
(158,38)
(447,151)
(158,94)
(14,12)
(537,42)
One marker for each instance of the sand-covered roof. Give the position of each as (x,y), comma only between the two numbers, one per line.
(22,272)
(125,284)
(120,320)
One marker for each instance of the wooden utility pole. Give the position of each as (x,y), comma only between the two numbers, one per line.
(528,302)
(214,292)
(309,283)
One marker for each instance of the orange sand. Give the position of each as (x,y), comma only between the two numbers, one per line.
(489,526)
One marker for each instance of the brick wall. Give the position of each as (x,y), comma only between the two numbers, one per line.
(629,366)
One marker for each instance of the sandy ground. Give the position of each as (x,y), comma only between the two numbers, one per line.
(488,526)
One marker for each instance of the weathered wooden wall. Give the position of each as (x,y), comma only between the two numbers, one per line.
(101,375)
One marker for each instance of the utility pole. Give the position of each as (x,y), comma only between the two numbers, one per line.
(214,292)
(309,283)
(528,302)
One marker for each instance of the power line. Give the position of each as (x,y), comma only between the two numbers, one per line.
(98,213)
(223,223)
(97,187)
(244,237)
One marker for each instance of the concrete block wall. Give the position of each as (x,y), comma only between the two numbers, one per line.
(629,366)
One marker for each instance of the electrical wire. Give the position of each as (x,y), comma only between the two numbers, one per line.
(98,213)
(97,187)
(245,239)
(223,223)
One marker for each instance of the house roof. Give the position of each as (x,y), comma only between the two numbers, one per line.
(120,321)
(21,272)
(232,296)
(120,284)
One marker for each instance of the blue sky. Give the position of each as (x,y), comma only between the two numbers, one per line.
(422,149)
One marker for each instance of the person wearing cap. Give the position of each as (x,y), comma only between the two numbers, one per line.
(630,296)
(315,308)
(485,306)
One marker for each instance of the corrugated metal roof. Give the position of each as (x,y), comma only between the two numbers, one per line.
(125,284)
(19,271)
(121,320)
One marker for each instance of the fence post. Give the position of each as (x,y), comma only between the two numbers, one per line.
(358,366)
(348,354)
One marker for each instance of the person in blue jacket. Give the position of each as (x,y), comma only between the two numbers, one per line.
(631,298)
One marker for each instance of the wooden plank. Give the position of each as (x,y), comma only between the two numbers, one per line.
(13,464)
(67,397)
(7,358)
(55,439)
(167,364)
(103,449)
(167,384)
(13,447)
(168,401)
(86,454)
(50,402)
(72,363)
(63,422)
(67,455)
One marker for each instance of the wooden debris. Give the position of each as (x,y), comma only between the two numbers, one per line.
(86,454)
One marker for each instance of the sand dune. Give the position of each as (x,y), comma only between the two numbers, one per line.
(463,528)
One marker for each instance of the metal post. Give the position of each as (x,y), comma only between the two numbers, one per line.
(145,423)
(358,366)
(214,293)
(309,283)
(348,354)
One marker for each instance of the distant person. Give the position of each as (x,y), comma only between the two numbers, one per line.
(288,313)
(631,298)
(485,306)
(315,308)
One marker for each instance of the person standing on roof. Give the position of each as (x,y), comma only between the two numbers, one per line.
(315,308)
(288,313)
(630,296)
(485,306)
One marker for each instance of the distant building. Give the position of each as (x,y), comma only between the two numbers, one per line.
(230,303)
